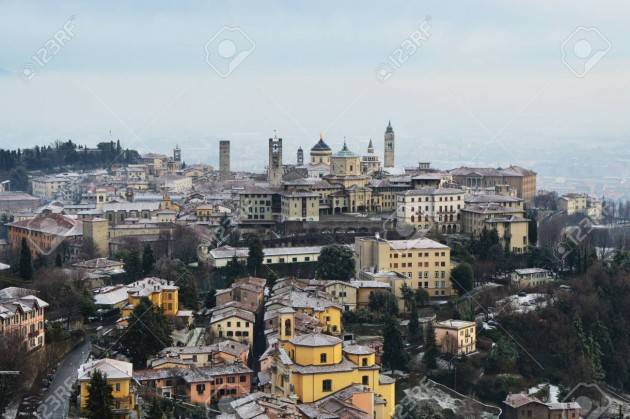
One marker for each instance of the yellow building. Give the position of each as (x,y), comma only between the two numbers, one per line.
(509,223)
(314,366)
(456,337)
(354,295)
(314,304)
(425,263)
(119,375)
(343,293)
(300,206)
(162,293)
(233,323)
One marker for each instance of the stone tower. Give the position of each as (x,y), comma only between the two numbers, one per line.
(370,147)
(300,157)
(388,160)
(274,170)
(177,154)
(224,160)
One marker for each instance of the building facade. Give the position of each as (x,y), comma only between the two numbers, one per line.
(425,263)
(436,209)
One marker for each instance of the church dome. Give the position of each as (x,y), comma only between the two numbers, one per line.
(321,146)
(345,152)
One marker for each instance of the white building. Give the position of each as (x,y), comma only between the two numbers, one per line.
(220,256)
(531,277)
(431,208)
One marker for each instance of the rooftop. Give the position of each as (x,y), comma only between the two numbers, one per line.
(315,339)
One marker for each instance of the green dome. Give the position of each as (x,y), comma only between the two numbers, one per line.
(345,152)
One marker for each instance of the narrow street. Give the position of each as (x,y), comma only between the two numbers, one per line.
(56,401)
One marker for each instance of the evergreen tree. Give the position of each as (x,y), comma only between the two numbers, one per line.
(155,411)
(100,398)
(58,261)
(408,297)
(413,330)
(462,278)
(336,262)
(211,299)
(255,256)
(149,332)
(394,355)
(430,348)
(26,263)
(133,265)
(148,260)
(272,277)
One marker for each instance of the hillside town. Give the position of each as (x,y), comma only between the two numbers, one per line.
(334,285)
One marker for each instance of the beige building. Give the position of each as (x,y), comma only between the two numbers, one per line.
(425,263)
(259,204)
(520,179)
(573,203)
(509,223)
(300,206)
(431,209)
(456,337)
(48,186)
(354,294)
(234,324)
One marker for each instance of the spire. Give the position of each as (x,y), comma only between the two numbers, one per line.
(370,147)
(389,127)
(345,146)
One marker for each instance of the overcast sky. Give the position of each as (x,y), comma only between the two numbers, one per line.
(489,85)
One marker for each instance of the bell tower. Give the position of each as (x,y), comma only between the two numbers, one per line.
(300,157)
(274,170)
(286,324)
(388,160)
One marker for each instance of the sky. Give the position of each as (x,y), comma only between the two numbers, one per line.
(476,83)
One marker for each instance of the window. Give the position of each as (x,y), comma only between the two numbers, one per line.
(365,380)
(322,358)
(327,385)
(117,387)
(242,378)
(364,362)
(231,380)
(201,388)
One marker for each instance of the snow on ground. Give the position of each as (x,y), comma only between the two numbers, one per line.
(449,399)
(523,303)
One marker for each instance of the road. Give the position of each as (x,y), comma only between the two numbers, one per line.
(57,399)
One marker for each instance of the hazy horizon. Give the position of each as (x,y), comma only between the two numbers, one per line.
(488,85)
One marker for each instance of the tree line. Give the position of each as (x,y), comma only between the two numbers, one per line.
(61,154)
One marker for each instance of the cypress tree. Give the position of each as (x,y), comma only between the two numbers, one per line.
(26,263)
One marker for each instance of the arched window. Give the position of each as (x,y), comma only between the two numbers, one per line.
(287,327)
